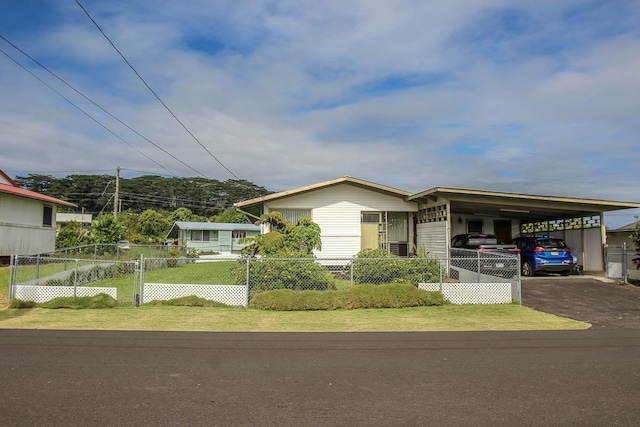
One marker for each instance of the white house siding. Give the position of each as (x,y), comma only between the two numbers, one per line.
(337,209)
(432,238)
(21,229)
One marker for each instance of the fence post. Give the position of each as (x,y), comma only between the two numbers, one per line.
(479,277)
(440,273)
(624,262)
(141,266)
(12,275)
(248,282)
(37,267)
(519,278)
(75,279)
(351,265)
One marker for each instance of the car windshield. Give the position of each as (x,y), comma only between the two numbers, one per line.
(551,243)
(483,240)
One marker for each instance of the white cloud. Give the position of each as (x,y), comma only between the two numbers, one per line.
(486,94)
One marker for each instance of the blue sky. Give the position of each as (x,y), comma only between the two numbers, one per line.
(536,97)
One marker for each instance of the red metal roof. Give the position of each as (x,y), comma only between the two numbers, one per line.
(21,192)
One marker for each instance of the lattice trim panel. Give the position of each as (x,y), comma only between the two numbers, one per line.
(226,294)
(473,293)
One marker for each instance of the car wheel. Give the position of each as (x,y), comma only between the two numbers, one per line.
(527,270)
(565,272)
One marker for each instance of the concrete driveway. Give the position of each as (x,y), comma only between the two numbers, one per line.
(603,303)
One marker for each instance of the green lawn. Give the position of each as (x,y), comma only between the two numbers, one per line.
(444,318)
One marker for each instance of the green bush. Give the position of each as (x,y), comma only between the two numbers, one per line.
(98,301)
(188,301)
(376,266)
(291,273)
(18,303)
(361,296)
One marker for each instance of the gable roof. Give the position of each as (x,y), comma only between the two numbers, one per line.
(625,228)
(324,184)
(9,186)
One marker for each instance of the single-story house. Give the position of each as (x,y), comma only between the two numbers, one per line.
(211,236)
(27,220)
(354,214)
(62,219)
(622,235)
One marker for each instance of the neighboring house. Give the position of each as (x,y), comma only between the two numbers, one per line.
(211,236)
(622,235)
(62,219)
(27,220)
(354,214)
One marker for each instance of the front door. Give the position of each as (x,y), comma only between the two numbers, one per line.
(502,229)
(369,238)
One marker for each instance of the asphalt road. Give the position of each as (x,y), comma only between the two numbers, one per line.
(586,378)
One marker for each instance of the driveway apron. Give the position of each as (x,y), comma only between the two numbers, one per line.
(603,303)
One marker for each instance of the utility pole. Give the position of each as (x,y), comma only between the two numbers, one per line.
(116,196)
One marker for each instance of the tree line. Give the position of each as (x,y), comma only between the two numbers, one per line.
(149,205)
(95,193)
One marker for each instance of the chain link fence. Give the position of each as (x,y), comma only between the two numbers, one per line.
(122,252)
(43,278)
(480,278)
(622,263)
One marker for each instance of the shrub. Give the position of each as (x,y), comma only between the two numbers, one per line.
(361,296)
(284,273)
(98,301)
(18,303)
(188,301)
(376,266)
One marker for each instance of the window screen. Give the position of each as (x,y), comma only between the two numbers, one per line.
(474,226)
(47,216)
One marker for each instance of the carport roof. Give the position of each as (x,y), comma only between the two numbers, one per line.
(516,205)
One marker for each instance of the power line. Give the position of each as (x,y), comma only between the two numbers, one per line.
(81,110)
(100,107)
(154,93)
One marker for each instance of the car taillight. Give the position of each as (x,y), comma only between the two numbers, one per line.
(567,249)
(539,249)
(516,250)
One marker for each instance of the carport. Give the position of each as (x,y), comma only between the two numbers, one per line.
(444,212)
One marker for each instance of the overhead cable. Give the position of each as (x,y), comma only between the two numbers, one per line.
(154,93)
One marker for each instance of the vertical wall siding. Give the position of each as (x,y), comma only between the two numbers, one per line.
(21,229)
(432,238)
(337,210)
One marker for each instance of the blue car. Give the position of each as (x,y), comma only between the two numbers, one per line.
(548,254)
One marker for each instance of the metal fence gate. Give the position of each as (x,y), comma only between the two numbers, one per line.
(42,278)
(622,263)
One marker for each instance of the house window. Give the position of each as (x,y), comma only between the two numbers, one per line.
(474,226)
(372,217)
(293,215)
(237,234)
(205,235)
(398,227)
(196,235)
(47,216)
